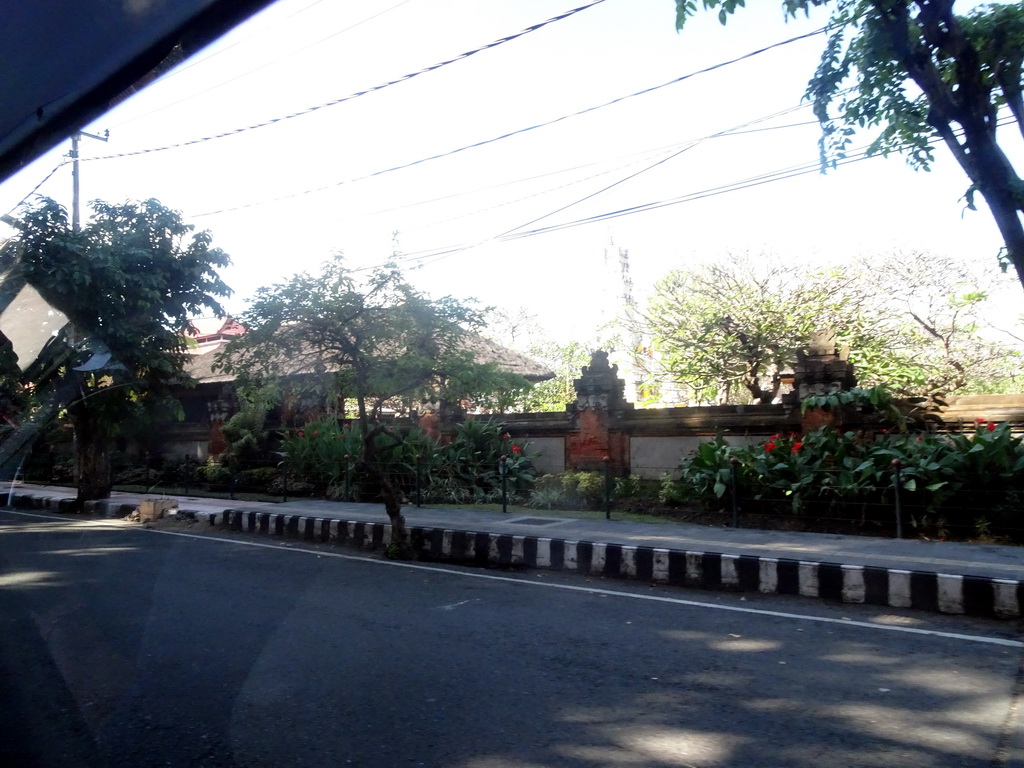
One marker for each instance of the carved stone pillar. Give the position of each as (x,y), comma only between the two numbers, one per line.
(220,410)
(595,435)
(822,370)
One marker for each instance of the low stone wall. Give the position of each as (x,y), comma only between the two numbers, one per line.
(649,442)
(651,457)
(551,454)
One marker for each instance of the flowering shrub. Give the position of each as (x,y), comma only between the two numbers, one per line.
(973,480)
(317,451)
(583,490)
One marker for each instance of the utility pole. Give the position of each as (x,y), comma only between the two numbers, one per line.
(75,203)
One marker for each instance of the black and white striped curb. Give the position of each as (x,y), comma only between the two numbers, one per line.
(922,590)
(104,507)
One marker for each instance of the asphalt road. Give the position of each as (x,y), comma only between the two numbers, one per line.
(121,646)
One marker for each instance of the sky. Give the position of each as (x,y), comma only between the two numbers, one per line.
(508,221)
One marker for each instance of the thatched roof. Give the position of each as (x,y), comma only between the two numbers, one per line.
(200,364)
(487,351)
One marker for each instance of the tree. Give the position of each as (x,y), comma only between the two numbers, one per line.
(380,343)
(128,282)
(567,361)
(913,323)
(945,344)
(919,73)
(520,330)
(726,332)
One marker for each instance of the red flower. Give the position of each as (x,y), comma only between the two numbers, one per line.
(505,436)
(991,426)
(517,449)
(920,439)
(797,447)
(979,420)
(316,431)
(301,433)
(769,446)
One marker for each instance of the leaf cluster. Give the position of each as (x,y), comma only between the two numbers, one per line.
(727,331)
(913,73)
(375,341)
(959,477)
(326,453)
(912,322)
(128,282)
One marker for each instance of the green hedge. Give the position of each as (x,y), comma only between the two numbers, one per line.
(971,481)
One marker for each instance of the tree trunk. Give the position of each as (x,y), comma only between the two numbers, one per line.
(92,459)
(400,546)
(967,102)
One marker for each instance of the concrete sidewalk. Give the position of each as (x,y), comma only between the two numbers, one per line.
(951,577)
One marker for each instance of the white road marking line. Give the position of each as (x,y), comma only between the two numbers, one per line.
(568,587)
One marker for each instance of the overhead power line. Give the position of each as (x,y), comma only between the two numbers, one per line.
(633,158)
(35,189)
(508,134)
(575,182)
(357,94)
(254,70)
(655,164)
(438,254)
(754,181)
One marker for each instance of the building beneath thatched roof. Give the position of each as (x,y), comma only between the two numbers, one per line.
(212,400)
(211,336)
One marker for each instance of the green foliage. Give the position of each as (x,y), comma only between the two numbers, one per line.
(246,433)
(547,493)
(628,487)
(327,455)
(474,455)
(379,342)
(323,452)
(707,471)
(260,477)
(567,361)
(137,476)
(488,387)
(913,73)
(877,400)
(520,331)
(934,309)
(128,282)
(584,490)
(212,471)
(912,322)
(726,332)
(130,279)
(670,492)
(958,478)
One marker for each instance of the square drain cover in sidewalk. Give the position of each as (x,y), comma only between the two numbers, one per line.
(536,521)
